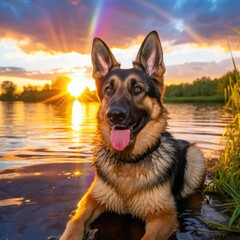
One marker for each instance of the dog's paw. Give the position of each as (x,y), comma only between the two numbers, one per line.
(73,231)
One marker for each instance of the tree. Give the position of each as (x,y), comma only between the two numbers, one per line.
(8,90)
(61,83)
(223,81)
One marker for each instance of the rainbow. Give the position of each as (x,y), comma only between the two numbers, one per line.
(97,19)
(94,24)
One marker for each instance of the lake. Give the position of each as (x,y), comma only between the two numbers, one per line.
(45,165)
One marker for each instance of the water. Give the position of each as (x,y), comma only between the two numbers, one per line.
(45,165)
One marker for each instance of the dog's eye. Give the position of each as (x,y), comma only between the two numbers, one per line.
(137,89)
(108,90)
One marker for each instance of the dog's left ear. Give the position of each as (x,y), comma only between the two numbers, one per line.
(102,59)
(150,57)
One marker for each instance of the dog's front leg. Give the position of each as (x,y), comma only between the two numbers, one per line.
(160,226)
(88,210)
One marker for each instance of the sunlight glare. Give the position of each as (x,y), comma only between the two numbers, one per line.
(76,87)
(77,115)
(77,173)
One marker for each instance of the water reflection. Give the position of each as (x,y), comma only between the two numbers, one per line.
(78,114)
(82,118)
(11,201)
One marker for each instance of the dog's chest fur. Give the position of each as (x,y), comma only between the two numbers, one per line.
(138,188)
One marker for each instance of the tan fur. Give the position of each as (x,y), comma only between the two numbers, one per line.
(168,222)
(195,170)
(137,178)
(152,131)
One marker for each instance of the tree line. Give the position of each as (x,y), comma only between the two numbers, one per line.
(31,93)
(56,91)
(204,86)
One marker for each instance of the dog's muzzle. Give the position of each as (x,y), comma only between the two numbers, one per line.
(117,117)
(125,121)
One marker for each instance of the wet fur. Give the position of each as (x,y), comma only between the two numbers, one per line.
(152,173)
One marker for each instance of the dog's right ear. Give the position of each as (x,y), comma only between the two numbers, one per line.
(103,60)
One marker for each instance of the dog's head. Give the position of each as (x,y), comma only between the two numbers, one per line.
(131,116)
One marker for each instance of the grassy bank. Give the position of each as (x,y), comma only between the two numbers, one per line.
(226,179)
(215,99)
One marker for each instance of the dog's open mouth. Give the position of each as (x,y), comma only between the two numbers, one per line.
(121,137)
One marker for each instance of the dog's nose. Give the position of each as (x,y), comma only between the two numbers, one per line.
(116,115)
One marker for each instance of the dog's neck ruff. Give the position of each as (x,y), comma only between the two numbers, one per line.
(141,157)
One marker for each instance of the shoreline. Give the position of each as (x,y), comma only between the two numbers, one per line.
(197,99)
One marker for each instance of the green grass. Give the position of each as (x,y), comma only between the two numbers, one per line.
(226,180)
(216,99)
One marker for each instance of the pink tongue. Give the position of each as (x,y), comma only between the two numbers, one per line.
(120,139)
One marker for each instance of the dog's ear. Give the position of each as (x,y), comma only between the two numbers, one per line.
(150,57)
(102,59)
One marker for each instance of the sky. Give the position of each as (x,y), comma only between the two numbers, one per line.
(43,39)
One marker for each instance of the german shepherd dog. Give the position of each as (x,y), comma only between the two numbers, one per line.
(140,169)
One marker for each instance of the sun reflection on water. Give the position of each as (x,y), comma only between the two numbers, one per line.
(78,114)
(76,173)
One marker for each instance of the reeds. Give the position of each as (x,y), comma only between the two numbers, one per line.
(226,179)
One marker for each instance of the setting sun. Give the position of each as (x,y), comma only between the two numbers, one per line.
(76,87)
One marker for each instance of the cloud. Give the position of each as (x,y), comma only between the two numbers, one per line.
(70,25)
(82,73)
(211,19)
(22,73)
(45,25)
(187,72)
(11,70)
